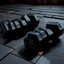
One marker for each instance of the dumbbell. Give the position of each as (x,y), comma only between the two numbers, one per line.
(31,20)
(13,29)
(37,41)
(4,29)
(18,27)
(55,27)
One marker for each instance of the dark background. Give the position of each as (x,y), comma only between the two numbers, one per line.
(43,2)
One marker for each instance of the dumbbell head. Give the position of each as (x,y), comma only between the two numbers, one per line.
(42,33)
(32,20)
(26,18)
(49,33)
(17,24)
(55,27)
(44,44)
(33,17)
(23,24)
(19,29)
(32,40)
(11,26)
(51,36)
(35,40)
(4,29)
(13,30)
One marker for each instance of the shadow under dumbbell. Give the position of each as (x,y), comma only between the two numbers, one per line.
(55,42)
(28,54)
(52,45)
(15,38)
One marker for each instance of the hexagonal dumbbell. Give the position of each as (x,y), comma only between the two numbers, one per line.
(36,40)
(41,38)
(55,27)
(4,29)
(31,20)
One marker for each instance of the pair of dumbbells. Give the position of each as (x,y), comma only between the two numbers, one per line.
(18,27)
(40,39)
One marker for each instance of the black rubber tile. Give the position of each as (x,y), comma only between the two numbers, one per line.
(59,17)
(3,41)
(56,54)
(19,49)
(6,16)
(43,60)
(4,51)
(35,59)
(12,59)
(24,53)
(12,7)
(48,16)
(16,43)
